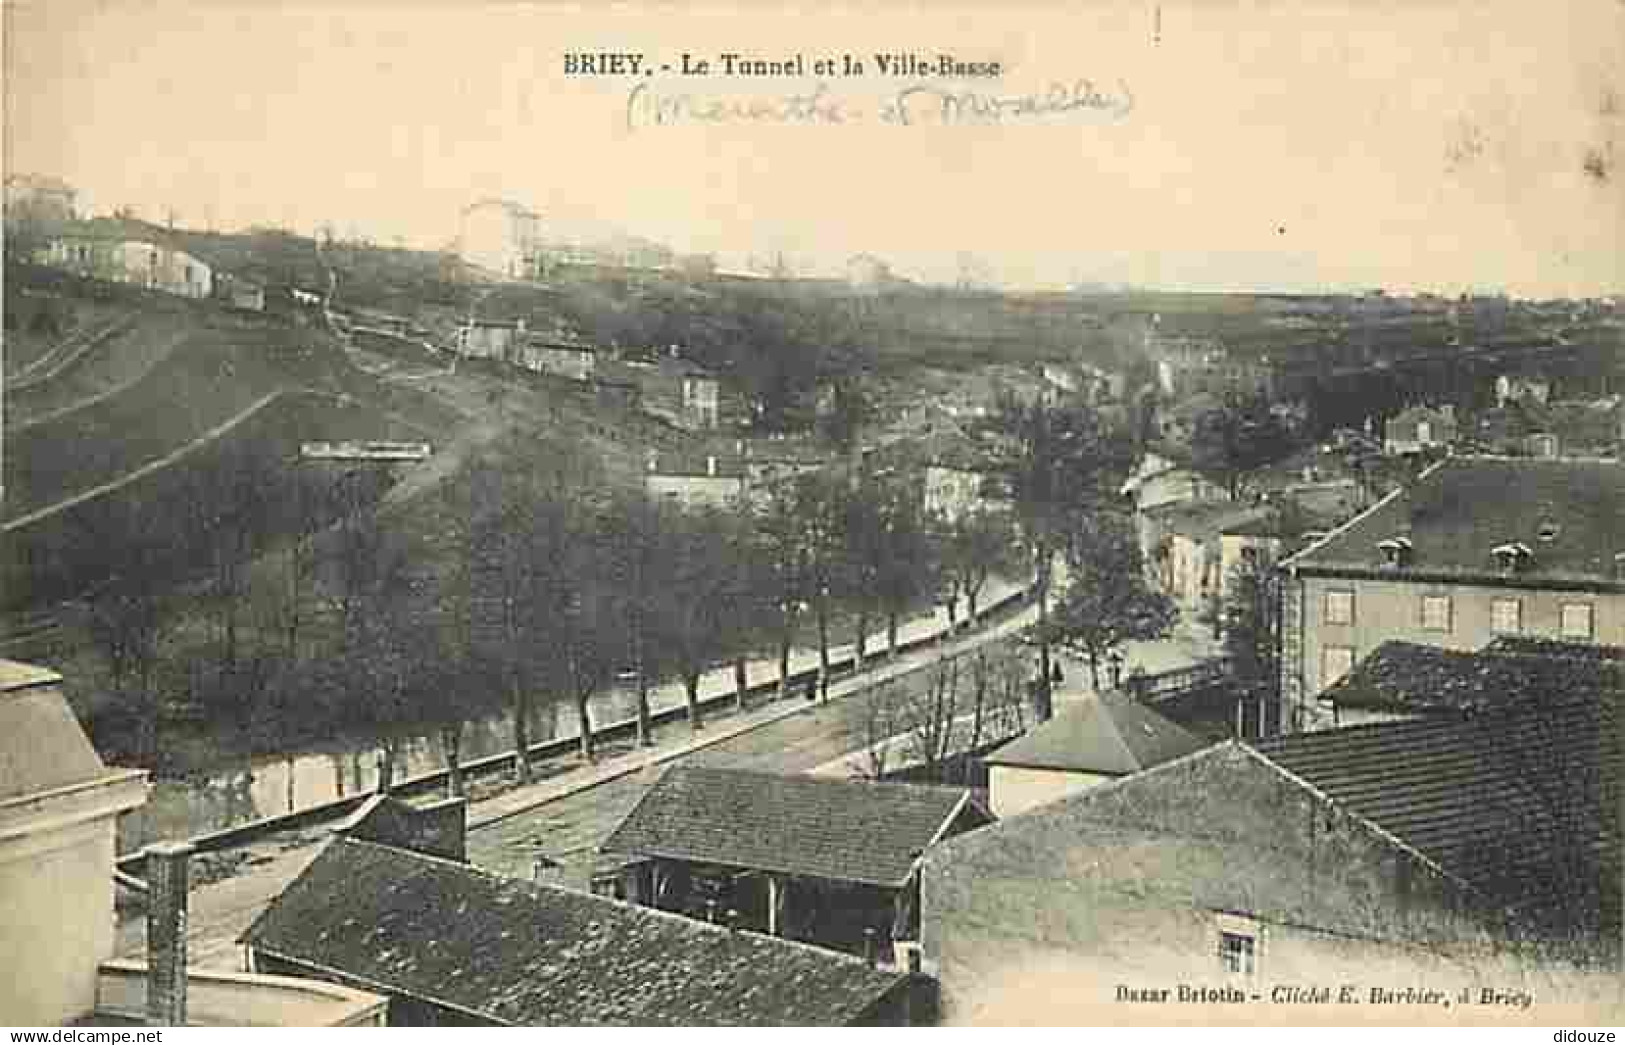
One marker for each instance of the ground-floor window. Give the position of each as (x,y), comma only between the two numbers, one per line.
(1506,616)
(1240,943)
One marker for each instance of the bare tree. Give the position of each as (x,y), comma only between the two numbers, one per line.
(388,647)
(821,505)
(782,544)
(127,619)
(696,618)
(635,541)
(909,568)
(927,716)
(873,717)
(973,547)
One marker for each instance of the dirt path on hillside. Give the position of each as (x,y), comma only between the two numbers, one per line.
(26,419)
(147,469)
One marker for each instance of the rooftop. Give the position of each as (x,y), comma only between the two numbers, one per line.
(843,830)
(1221,829)
(522,953)
(1405,676)
(1566,511)
(1500,800)
(1108,734)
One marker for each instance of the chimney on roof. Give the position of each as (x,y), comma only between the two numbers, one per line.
(869,948)
(711,465)
(168,881)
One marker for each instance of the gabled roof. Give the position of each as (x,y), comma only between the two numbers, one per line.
(522,953)
(1108,734)
(843,830)
(1406,676)
(1499,800)
(1461,508)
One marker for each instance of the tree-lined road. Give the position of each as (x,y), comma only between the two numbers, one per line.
(569,811)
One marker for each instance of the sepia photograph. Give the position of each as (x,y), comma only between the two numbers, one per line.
(524,513)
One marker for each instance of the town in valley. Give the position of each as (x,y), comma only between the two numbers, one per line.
(562,621)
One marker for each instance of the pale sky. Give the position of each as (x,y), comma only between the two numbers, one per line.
(1409,145)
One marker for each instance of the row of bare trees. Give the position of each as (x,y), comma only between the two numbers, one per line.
(530,574)
(958,705)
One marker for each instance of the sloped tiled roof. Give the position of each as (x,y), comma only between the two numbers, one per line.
(844,830)
(1464,507)
(1108,734)
(522,953)
(1500,800)
(1406,676)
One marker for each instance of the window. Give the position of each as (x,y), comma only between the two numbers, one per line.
(1335,662)
(1239,947)
(1424,431)
(1238,954)
(1506,616)
(1339,607)
(1576,620)
(1435,613)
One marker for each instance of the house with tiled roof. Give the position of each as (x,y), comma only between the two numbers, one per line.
(824,860)
(1087,743)
(452,945)
(1474,549)
(1517,798)
(1216,877)
(1406,680)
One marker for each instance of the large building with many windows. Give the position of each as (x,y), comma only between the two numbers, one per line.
(1477,548)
